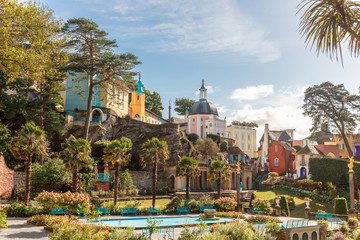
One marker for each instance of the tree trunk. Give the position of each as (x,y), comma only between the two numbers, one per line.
(154,183)
(117,169)
(219,186)
(89,108)
(41,157)
(347,145)
(75,180)
(187,186)
(27,179)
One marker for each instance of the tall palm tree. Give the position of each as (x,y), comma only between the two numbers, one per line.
(76,155)
(218,171)
(155,152)
(29,141)
(188,167)
(117,153)
(325,24)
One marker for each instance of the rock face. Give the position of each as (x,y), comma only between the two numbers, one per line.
(138,132)
(6,179)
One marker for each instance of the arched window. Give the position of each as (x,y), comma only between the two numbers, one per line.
(305,236)
(314,235)
(276,148)
(276,162)
(295,237)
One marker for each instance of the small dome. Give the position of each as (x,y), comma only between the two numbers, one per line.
(203,107)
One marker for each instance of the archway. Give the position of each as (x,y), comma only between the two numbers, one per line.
(172,183)
(97,115)
(303,172)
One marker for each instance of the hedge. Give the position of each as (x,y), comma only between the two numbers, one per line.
(340,206)
(336,171)
(284,205)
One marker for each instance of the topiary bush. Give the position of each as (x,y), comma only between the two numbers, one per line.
(3,221)
(340,206)
(284,205)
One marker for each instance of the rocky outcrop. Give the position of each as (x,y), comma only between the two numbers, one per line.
(138,132)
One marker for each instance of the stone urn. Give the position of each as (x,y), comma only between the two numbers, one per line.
(209,214)
(277,200)
(307,203)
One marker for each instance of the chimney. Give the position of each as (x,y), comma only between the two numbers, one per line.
(265,146)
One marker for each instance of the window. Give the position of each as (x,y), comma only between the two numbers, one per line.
(248,137)
(276,162)
(302,162)
(193,119)
(313,236)
(305,236)
(248,146)
(242,146)
(121,100)
(295,237)
(242,136)
(276,149)
(113,95)
(236,136)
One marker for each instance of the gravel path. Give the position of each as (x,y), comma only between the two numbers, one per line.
(19,229)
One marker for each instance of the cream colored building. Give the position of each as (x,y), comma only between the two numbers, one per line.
(245,138)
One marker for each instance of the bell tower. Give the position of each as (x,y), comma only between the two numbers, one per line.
(138,101)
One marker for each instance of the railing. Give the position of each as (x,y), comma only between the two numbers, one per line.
(103,177)
(276,164)
(302,162)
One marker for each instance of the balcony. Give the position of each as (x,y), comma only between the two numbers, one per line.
(302,163)
(103,177)
(276,164)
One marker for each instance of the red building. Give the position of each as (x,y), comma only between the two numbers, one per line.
(281,157)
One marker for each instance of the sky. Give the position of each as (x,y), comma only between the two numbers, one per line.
(254,61)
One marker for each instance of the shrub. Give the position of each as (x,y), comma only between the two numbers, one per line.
(173,204)
(225,204)
(21,210)
(340,206)
(263,205)
(353,222)
(284,205)
(224,147)
(3,221)
(126,185)
(192,205)
(230,215)
(206,200)
(262,219)
(51,176)
(307,184)
(72,201)
(324,222)
(43,220)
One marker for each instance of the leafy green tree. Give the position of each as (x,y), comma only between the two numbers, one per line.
(219,172)
(224,146)
(117,153)
(29,141)
(94,56)
(153,102)
(334,105)
(76,155)
(245,124)
(216,138)
(5,138)
(31,43)
(326,24)
(207,148)
(51,176)
(126,183)
(182,104)
(188,167)
(155,152)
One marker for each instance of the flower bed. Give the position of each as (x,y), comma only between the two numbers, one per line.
(263,205)
(230,215)
(262,219)
(72,201)
(225,204)
(43,220)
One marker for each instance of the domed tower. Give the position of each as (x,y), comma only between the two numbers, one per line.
(202,118)
(138,101)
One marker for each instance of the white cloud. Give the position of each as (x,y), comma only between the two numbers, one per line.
(283,110)
(202,25)
(252,92)
(221,109)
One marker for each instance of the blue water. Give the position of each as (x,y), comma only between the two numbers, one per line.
(164,221)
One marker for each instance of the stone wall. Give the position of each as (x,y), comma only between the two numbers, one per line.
(19,182)
(143,179)
(6,179)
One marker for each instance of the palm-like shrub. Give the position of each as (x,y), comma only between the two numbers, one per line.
(76,155)
(117,153)
(155,152)
(188,167)
(218,171)
(29,141)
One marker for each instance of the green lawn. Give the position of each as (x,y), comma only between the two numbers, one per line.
(299,203)
(159,203)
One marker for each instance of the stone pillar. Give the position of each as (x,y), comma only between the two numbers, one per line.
(239,205)
(322,232)
(95,171)
(307,213)
(352,211)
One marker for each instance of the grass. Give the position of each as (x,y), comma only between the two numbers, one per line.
(298,212)
(159,203)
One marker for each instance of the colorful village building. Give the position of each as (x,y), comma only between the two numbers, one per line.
(354,142)
(245,138)
(312,151)
(110,100)
(276,153)
(203,117)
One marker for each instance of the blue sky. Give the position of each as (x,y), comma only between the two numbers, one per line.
(250,54)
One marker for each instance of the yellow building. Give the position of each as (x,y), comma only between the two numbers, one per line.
(245,138)
(354,142)
(117,100)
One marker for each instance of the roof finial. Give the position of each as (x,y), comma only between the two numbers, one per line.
(139,76)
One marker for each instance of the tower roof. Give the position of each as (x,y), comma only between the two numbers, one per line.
(140,85)
(203,106)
